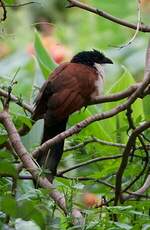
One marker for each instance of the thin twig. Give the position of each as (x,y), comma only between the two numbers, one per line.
(101,13)
(94,140)
(125,156)
(21,4)
(18,101)
(4,11)
(87,179)
(101,142)
(78,127)
(132,127)
(99,100)
(31,166)
(132,139)
(138,26)
(140,191)
(98,159)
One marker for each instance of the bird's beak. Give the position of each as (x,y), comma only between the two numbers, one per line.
(108,61)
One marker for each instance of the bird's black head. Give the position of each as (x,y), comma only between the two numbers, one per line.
(90,58)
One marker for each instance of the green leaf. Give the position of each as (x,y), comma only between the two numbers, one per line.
(8,205)
(9,1)
(25,120)
(28,210)
(3,139)
(7,168)
(5,155)
(146,107)
(46,62)
(95,129)
(123,226)
(45,70)
(119,121)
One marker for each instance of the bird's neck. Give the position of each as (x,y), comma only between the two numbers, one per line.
(100,69)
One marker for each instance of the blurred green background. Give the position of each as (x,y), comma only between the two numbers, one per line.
(64,32)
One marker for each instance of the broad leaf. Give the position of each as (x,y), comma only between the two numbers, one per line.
(123,226)
(45,61)
(118,125)
(8,205)
(7,168)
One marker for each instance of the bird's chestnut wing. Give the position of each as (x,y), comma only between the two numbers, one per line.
(46,91)
(72,90)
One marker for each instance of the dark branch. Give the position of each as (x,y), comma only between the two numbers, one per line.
(18,101)
(98,159)
(4,10)
(21,4)
(125,156)
(75,3)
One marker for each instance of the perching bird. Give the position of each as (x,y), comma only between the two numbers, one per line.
(70,87)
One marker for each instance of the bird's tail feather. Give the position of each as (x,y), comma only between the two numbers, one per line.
(49,160)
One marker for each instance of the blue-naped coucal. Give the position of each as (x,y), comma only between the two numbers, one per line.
(70,87)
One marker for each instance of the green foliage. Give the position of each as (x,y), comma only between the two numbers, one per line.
(146,106)
(46,63)
(22,206)
(6,164)
(118,124)
(9,1)
(22,120)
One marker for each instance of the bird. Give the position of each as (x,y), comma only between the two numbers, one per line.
(71,86)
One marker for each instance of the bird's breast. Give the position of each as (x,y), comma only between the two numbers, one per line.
(98,88)
(99,82)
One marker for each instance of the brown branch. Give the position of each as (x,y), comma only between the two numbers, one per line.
(125,156)
(87,179)
(21,4)
(136,132)
(102,142)
(99,100)
(131,122)
(29,177)
(140,191)
(78,127)
(110,98)
(4,11)
(146,161)
(115,97)
(94,140)
(136,194)
(28,163)
(98,159)
(121,95)
(18,101)
(31,166)
(144,147)
(101,13)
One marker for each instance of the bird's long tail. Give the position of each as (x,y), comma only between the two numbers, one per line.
(49,160)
